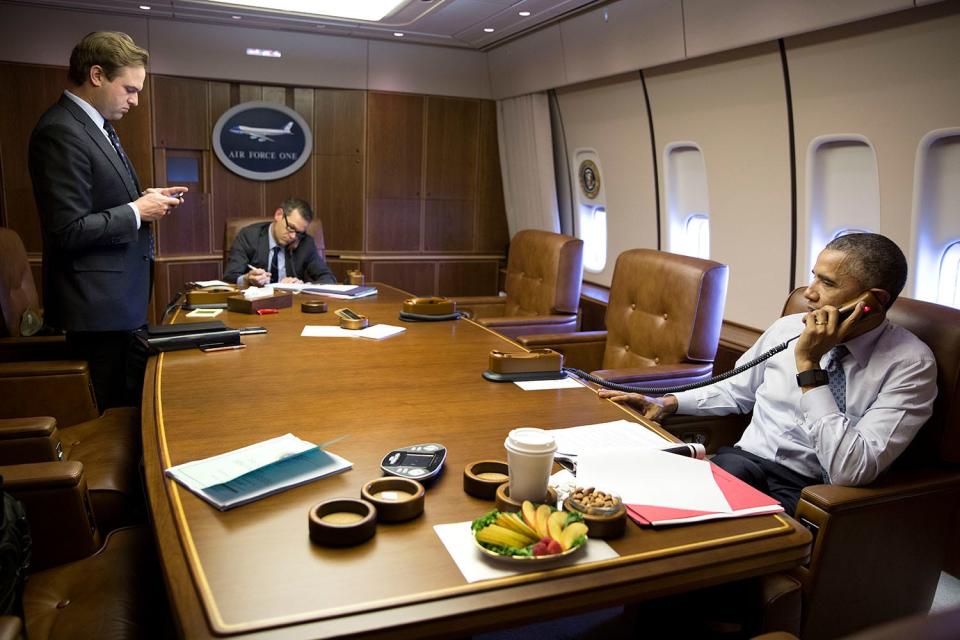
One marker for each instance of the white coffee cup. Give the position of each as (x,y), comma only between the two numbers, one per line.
(530,458)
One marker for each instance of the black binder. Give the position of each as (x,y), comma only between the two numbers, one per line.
(172,337)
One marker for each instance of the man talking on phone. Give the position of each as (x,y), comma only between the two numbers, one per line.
(97,221)
(842,401)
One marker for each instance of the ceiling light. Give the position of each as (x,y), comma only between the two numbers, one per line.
(523,14)
(371,10)
(145,7)
(263,53)
(398,34)
(488,29)
(237,17)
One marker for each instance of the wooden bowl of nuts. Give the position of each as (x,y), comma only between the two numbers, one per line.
(603,512)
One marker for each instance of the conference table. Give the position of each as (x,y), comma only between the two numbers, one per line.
(253,572)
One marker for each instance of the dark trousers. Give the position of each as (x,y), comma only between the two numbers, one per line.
(772,478)
(116,365)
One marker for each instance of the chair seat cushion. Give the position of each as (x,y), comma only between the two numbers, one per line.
(115,593)
(109,448)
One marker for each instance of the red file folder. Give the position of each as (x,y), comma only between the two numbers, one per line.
(744,500)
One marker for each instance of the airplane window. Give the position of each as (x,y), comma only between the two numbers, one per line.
(949,288)
(593,231)
(698,236)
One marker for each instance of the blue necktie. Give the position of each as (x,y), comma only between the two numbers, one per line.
(274,271)
(115,141)
(838,380)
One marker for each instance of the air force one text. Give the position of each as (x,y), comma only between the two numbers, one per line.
(260,134)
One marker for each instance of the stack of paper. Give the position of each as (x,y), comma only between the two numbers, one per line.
(244,475)
(373,332)
(342,291)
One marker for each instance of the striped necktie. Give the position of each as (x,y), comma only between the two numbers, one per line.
(838,380)
(115,141)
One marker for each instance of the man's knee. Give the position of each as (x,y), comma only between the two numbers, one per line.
(741,467)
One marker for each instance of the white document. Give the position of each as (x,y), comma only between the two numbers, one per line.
(375,332)
(655,478)
(254,293)
(619,433)
(458,539)
(211,283)
(233,464)
(542,385)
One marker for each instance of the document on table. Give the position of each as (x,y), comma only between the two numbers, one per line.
(619,433)
(342,291)
(543,385)
(247,474)
(373,332)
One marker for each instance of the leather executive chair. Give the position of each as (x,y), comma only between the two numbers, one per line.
(81,584)
(18,292)
(544,273)
(232,227)
(878,549)
(663,322)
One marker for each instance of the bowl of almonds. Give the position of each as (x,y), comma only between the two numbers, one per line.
(603,512)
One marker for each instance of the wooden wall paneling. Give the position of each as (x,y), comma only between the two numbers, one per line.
(246,93)
(339,201)
(448,225)
(394,145)
(170,277)
(340,267)
(186,231)
(297,185)
(467,278)
(36,89)
(491,216)
(180,113)
(418,278)
(453,127)
(276,95)
(340,122)
(393,225)
(219,100)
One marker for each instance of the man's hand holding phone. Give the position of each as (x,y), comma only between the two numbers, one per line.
(156,202)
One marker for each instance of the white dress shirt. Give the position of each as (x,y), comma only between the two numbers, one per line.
(891,379)
(98,120)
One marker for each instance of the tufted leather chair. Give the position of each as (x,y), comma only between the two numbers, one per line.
(83,585)
(232,227)
(663,322)
(544,273)
(878,549)
(18,292)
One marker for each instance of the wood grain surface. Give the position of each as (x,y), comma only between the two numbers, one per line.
(253,570)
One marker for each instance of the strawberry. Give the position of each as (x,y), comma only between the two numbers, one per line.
(540,549)
(554,547)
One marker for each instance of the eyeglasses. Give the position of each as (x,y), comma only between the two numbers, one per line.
(291,228)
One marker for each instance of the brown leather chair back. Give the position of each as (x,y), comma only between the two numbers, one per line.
(664,308)
(939,328)
(18,291)
(544,272)
(232,227)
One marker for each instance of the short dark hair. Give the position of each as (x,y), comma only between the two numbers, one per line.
(108,49)
(875,261)
(296,204)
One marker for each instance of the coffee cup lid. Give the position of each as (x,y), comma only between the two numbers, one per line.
(530,440)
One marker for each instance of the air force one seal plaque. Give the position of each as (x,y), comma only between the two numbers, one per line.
(589,178)
(262,141)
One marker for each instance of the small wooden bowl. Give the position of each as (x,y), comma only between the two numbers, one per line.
(505,503)
(396,499)
(342,522)
(481,479)
(313,306)
(612,524)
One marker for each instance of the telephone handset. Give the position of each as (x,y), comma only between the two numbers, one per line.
(873,315)
(350,319)
(429,309)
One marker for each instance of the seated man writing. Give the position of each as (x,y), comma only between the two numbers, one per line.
(842,401)
(278,251)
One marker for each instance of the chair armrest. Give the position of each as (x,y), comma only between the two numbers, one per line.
(55,497)
(482,306)
(57,388)
(11,628)
(897,485)
(581,349)
(513,326)
(678,372)
(29,440)
(712,432)
(34,348)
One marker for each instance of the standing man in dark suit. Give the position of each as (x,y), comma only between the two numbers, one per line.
(96,220)
(278,251)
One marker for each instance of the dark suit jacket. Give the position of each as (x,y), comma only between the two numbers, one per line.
(252,246)
(96,264)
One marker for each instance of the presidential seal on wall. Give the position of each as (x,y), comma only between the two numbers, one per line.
(589,179)
(262,141)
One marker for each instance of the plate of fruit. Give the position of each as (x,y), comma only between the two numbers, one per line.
(536,534)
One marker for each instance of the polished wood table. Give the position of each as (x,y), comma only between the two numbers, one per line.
(253,571)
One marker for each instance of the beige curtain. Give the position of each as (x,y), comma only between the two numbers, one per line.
(526,162)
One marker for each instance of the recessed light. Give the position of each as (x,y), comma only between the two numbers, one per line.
(263,53)
(398,34)
(145,7)
(237,17)
(523,14)
(488,29)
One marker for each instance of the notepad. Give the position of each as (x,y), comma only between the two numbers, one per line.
(237,477)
